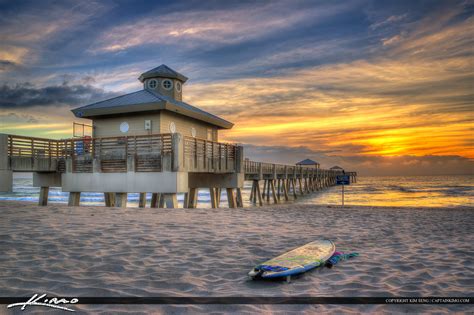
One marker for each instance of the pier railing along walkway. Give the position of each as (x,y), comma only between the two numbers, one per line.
(161,153)
(147,153)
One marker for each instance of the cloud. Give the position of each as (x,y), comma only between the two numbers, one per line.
(12,54)
(6,65)
(389,21)
(217,26)
(357,80)
(390,107)
(17,118)
(28,95)
(26,29)
(391,40)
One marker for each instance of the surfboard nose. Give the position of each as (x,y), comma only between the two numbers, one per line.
(255,273)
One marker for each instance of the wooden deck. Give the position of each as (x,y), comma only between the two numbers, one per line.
(163,153)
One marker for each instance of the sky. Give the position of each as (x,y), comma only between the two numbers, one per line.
(380,87)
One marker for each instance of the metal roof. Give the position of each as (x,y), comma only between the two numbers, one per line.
(145,100)
(162,71)
(307,162)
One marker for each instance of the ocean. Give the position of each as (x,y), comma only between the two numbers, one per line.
(425,191)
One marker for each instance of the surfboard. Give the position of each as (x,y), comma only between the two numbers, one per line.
(296,261)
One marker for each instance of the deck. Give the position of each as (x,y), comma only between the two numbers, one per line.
(205,161)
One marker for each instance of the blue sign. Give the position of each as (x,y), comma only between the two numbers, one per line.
(79,148)
(343,180)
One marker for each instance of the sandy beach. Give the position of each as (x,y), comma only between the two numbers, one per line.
(98,251)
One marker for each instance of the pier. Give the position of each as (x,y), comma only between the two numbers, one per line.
(150,141)
(160,164)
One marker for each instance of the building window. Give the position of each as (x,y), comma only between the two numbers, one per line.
(152,84)
(172,127)
(167,84)
(178,86)
(193,132)
(124,127)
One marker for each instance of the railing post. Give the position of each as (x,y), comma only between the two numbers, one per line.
(239,159)
(205,155)
(32,153)
(195,164)
(177,151)
(6,151)
(226,147)
(212,156)
(220,157)
(6,174)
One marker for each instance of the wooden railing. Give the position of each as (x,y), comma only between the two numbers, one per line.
(21,146)
(264,169)
(114,154)
(146,153)
(208,156)
(31,153)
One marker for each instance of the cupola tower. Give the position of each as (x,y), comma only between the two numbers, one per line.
(165,81)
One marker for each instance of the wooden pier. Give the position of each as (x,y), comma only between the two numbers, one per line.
(160,164)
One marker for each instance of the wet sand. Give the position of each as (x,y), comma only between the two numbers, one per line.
(98,251)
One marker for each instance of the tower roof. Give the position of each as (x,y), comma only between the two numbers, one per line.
(162,71)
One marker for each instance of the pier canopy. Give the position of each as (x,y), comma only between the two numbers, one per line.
(157,108)
(336,168)
(308,162)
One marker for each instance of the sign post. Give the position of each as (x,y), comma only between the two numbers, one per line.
(343,180)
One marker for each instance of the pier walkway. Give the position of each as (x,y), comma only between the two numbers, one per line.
(161,164)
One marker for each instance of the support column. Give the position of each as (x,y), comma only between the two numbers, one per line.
(252,191)
(258,194)
(231,198)
(192,197)
(240,202)
(142,200)
(121,200)
(272,185)
(155,200)
(218,197)
(161,204)
(74,199)
(43,196)
(109,199)
(185,200)
(268,189)
(170,200)
(279,189)
(212,193)
(301,186)
(264,188)
(285,190)
(293,182)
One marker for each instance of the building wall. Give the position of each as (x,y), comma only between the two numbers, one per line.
(110,126)
(160,122)
(185,124)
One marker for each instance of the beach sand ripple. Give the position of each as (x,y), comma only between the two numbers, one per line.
(98,251)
